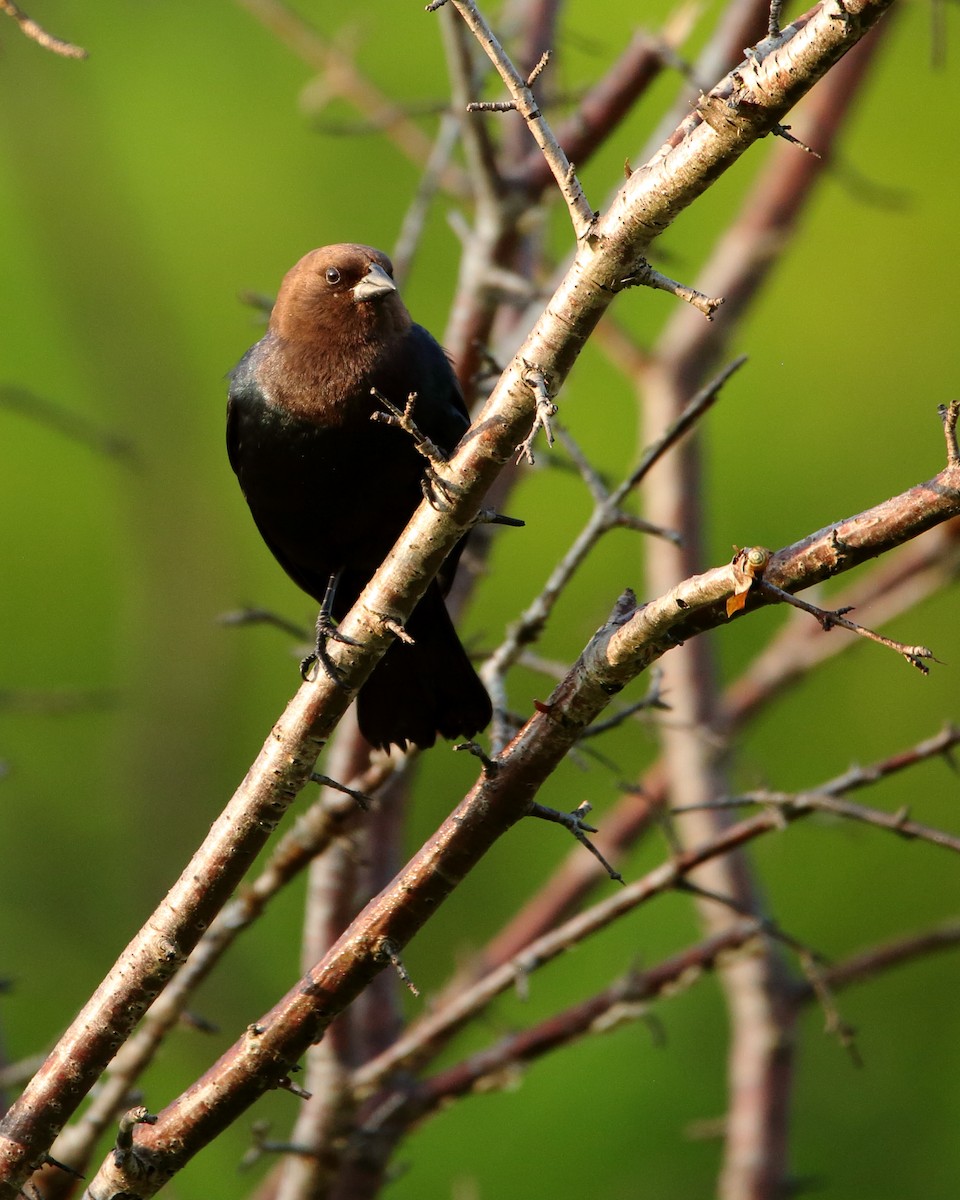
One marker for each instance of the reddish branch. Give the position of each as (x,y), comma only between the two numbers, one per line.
(756,990)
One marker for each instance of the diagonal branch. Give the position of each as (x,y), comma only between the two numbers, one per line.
(526,105)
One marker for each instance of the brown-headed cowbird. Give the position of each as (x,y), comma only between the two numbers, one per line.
(331,490)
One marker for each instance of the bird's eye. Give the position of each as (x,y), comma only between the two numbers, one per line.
(332,275)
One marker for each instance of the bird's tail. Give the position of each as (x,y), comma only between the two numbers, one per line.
(417,691)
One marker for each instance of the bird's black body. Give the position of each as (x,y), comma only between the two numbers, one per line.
(331,490)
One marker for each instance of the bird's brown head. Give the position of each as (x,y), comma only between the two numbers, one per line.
(346,291)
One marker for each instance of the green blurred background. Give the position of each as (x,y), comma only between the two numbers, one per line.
(140,193)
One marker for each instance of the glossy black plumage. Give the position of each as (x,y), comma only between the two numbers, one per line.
(331,490)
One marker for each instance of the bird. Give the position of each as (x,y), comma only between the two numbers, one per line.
(330,488)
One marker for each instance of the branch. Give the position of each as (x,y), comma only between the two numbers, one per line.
(327,819)
(896,584)
(868,964)
(632,641)
(827,797)
(264,1057)
(828,618)
(391,1115)
(524,102)
(608,101)
(70,424)
(38,34)
(607,514)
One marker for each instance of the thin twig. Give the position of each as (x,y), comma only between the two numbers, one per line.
(870,963)
(341,77)
(626,1000)
(264,616)
(642,274)
(828,797)
(914,655)
(418,210)
(600,111)
(36,33)
(426,1036)
(695,408)
(70,424)
(575,823)
(524,101)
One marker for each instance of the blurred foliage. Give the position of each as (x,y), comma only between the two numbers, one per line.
(141,192)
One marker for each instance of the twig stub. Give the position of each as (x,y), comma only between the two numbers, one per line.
(123,1149)
(390,951)
(576,822)
(544,413)
(644,275)
(949,414)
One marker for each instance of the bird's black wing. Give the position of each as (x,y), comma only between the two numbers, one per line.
(281,465)
(243,389)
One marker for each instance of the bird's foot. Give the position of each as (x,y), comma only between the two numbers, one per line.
(316,659)
(327,631)
(441,494)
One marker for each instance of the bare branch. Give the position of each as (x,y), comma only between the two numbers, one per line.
(608,101)
(739,110)
(38,34)
(526,105)
(868,964)
(643,275)
(828,618)
(607,515)
(70,424)
(625,1000)
(827,797)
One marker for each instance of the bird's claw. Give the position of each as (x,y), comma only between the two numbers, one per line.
(439,493)
(319,658)
(327,631)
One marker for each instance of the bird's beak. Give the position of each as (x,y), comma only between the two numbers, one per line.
(375,283)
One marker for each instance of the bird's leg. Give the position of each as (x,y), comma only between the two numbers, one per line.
(327,630)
